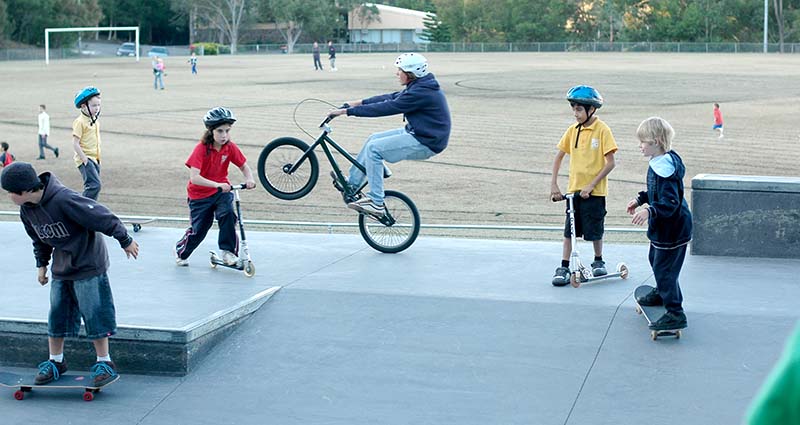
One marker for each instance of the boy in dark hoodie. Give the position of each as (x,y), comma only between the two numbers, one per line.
(668,217)
(425,134)
(64,224)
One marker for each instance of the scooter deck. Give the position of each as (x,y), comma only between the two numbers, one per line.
(652,313)
(25,383)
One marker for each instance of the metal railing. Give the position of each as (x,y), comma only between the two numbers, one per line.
(332,225)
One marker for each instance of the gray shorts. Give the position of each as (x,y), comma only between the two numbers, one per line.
(90,299)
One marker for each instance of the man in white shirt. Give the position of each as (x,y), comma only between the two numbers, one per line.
(44,131)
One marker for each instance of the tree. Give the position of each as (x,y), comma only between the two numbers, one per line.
(435,30)
(3,21)
(27,19)
(225,15)
(320,19)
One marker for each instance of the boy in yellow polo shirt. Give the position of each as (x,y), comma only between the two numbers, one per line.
(591,147)
(86,140)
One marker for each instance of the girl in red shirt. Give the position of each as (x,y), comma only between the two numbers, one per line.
(209,189)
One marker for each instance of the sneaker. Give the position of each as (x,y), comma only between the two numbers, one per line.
(40,158)
(561,278)
(55,152)
(599,268)
(653,298)
(669,321)
(368,206)
(50,371)
(180,262)
(229,258)
(103,373)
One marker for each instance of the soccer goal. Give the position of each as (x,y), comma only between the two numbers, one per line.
(47,32)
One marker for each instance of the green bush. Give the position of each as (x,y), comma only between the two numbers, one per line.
(208,49)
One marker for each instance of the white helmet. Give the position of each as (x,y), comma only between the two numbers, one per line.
(414,63)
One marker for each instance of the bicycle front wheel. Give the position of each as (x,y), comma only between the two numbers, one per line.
(401,233)
(275,168)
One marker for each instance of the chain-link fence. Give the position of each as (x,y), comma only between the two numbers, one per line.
(109,50)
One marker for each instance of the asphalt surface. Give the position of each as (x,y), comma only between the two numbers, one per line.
(451,331)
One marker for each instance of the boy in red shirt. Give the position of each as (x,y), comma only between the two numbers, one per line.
(718,120)
(210,190)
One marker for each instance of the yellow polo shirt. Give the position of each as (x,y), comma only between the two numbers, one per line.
(89,136)
(588,158)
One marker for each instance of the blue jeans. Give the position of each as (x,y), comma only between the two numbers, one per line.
(90,299)
(43,145)
(392,146)
(158,80)
(203,211)
(91,179)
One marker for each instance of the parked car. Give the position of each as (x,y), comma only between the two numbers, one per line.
(158,51)
(127,49)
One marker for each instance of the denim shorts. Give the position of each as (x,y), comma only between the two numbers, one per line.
(90,299)
(590,217)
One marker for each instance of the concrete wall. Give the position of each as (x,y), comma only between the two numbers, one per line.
(746,216)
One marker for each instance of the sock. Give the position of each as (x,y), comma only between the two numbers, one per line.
(565,263)
(58,358)
(104,358)
(596,258)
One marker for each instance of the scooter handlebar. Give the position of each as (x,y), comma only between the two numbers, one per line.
(241,186)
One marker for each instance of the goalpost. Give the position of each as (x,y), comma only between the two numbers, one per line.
(47,32)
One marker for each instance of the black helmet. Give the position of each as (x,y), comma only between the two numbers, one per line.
(217,116)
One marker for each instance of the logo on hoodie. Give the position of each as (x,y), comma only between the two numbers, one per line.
(51,231)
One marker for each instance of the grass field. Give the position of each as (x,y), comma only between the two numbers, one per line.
(508,114)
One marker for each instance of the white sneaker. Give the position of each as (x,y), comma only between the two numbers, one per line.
(229,258)
(180,262)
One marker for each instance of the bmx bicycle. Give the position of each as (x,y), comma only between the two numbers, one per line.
(289,169)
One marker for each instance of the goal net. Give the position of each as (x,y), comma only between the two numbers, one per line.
(124,50)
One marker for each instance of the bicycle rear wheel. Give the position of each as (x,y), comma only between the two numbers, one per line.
(398,236)
(274,169)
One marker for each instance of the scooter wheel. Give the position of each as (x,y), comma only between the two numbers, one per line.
(575,279)
(249,269)
(213,264)
(623,271)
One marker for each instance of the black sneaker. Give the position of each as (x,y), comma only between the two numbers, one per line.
(599,268)
(55,151)
(669,321)
(653,298)
(561,278)
(103,373)
(50,371)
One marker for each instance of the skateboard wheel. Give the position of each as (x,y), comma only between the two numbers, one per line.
(88,396)
(638,310)
(653,335)
(137,227)
(678,335)
(213,265)
(19,395)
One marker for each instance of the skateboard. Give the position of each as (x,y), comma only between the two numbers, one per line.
(25,383)
(652,313)
(138,223)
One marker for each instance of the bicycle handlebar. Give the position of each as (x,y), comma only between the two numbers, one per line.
(330,117)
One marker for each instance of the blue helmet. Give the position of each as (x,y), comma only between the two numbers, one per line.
(585,95)
(84,95)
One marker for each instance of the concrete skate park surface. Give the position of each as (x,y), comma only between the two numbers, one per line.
(451,331)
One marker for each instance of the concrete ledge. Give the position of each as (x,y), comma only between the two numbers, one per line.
(135,349)
(746,216)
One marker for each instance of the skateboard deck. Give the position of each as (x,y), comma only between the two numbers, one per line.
(138,223)
(25,383)
(652,313)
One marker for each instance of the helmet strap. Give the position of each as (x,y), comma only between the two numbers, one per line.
(588,118)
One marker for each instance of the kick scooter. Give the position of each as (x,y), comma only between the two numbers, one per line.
(245,263)
(578,272)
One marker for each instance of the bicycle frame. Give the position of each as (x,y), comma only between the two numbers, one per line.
(350,193)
